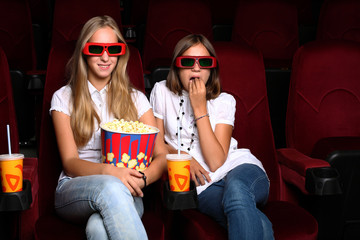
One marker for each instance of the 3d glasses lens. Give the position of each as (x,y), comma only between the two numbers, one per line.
(96,49)
(205,62)
(187,62)
(114,49)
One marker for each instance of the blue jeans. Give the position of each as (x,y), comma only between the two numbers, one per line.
(104,204)
(232,202)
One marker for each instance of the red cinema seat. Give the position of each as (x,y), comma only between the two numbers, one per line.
(71,15)
(168,22)
(323,116)
(339,19)
(17,41)
(7,108)
(270,26)
(49,170)
(16,36)
(23,220)
(242,74)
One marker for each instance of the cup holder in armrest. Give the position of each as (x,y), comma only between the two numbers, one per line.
(180,200)
(16,201)
(323,181)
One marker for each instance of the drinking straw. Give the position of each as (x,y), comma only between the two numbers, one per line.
(178,133)
(8,136)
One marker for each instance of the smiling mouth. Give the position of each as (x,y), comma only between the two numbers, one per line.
(104,67)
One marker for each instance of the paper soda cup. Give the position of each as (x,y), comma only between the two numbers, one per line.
(179,172)
(11,171)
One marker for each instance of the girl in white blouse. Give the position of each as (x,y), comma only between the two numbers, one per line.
(230,182)
(108,198)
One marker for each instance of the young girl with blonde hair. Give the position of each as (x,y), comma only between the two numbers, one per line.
(108,198)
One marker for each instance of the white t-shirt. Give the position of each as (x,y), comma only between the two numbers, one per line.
(166,106)
(61,102)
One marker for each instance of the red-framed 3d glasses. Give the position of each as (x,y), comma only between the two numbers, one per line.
(98,49)
(189,61)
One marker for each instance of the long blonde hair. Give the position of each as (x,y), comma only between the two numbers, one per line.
(83,115)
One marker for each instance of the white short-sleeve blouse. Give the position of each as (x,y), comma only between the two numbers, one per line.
(61,102)
(166,106)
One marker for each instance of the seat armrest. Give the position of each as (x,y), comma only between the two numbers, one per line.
(294,165)
(30,172)
(298,161)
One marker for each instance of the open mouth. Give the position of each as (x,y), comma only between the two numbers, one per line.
(193,78)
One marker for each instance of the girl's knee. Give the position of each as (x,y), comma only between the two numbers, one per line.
(112,189)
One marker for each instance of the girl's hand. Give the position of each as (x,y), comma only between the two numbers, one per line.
(197,95)
(131,179)
(197,173)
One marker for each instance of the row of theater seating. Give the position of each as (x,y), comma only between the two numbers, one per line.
(322,116)
(314,136)
(271,26)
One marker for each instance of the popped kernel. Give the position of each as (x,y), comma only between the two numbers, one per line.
(128,126)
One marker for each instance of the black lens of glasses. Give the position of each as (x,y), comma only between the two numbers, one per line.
(187,62)
(114,49)
(95,49)
(205,62)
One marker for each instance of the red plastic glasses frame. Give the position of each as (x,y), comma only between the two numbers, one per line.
(105,47)
(197,59)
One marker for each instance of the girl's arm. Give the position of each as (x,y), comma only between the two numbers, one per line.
(158,164)
(214,144)
(74,166)
(196,170)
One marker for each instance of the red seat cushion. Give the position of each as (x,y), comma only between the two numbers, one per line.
(286,218)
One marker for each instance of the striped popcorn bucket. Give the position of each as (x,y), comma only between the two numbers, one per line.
(130,150)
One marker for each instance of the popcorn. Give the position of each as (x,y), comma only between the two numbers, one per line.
(128,126)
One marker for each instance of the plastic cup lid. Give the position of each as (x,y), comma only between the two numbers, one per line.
(178,157)
(14,156)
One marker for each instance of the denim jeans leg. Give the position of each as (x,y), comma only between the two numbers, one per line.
(210,202)
(95,228)
(246,186)
(79,198)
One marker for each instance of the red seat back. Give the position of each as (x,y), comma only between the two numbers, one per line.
(324,95)
(16,36)
(339,19)
(245,80)
(49,170)
(7,109)
(71,15)
(270,26)
(242,74)
(168,22)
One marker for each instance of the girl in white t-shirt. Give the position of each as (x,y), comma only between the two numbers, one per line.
(230,182)
(105,197)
